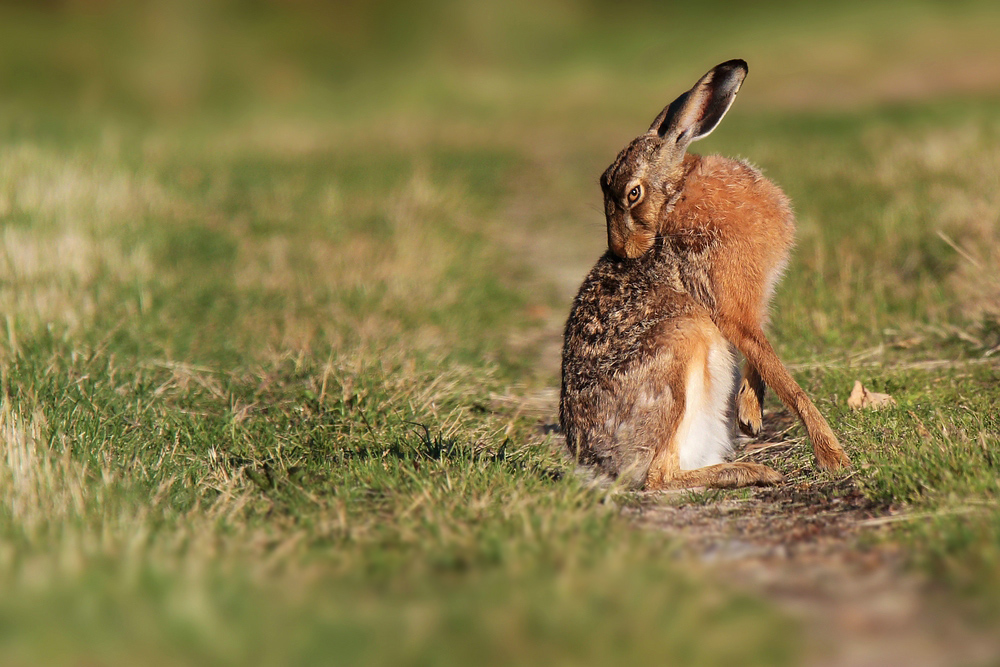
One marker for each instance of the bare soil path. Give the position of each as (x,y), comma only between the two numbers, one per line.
(820,550)
(817,548)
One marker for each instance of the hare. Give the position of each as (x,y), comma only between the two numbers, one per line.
(696,247)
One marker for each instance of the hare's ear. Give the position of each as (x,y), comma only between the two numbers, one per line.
(697,112)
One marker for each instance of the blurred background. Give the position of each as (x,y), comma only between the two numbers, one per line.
(524,102)
(159,60)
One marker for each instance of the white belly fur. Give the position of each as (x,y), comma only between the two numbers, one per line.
(704,435)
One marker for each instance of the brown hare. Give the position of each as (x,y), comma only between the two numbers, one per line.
(697,245)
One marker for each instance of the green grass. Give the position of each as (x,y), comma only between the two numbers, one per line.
(273,279)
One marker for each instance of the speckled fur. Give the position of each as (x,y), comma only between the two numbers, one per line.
(697,245)
(635,339)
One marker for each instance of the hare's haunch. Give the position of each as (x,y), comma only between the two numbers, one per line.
(696,247)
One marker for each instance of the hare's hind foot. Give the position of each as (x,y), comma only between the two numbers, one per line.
(749,400)
(719,476)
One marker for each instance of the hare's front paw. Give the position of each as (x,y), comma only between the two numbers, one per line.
(748,411)
(830,456)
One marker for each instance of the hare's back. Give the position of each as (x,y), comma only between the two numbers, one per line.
(633,345)
(739,230)
(618,316)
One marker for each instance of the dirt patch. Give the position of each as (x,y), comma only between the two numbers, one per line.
(810,514)
(815,547)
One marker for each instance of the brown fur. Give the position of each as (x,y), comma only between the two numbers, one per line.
(631,340)
(696,247)
(734,229)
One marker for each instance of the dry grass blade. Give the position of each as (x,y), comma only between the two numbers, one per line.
(920,516)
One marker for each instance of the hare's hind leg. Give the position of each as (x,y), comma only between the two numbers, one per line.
(722,476)
(696,429)
(750,401)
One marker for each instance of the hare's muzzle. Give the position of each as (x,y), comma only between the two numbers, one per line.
(629,244)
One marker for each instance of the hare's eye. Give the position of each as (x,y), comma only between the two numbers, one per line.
(633,195)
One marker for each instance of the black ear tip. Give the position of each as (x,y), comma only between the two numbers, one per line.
(735,64)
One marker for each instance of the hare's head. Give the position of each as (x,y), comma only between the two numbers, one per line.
(648,174)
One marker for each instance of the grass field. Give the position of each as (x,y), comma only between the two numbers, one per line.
(282,287)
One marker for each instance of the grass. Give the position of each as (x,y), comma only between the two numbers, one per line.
(264,290)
